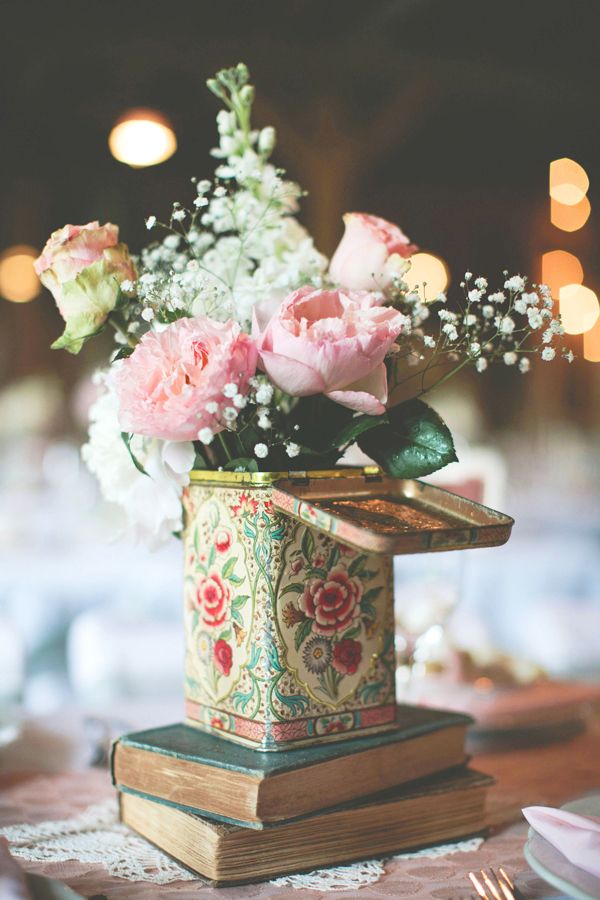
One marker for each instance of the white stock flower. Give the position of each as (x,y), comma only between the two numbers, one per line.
(510,358)
(481,364)
(151,503)
(548,354)
(261,450)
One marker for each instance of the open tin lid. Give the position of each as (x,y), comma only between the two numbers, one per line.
(372,511)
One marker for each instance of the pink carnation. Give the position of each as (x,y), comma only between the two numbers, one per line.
(331,342)
(170,384)
(364,259)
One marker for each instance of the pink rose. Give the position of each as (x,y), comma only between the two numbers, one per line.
(83,267)
(331,342)
(212,599)
(333,602)
(171,386)
(369,253)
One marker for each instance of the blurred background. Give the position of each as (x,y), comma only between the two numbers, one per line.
(447,118)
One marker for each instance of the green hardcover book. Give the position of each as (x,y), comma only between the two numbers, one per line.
(439,809)
(199,772)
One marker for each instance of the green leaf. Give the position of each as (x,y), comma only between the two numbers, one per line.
(239,601)
(352,632)
(123,353)
(229,567)
(367,609)
(235,579)
(372,594)
(357,426)
(308,544)
(356,564)
(242,464)
(127,441)
(302,632)
(294,588)
(416,441)
(333,557)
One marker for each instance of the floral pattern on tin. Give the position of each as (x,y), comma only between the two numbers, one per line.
(331,614)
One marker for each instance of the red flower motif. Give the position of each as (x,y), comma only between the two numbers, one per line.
(222,540)
(332,601)
(318,562)
(296,565)
(332,727)
(216,722)
(223,656)
(246,505)
(212,599)
(347,656)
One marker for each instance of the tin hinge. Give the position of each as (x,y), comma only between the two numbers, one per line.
(299,478)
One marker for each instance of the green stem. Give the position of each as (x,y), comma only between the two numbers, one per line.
(121,331)
(224,446)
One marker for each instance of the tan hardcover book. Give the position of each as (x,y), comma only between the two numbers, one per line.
(437,810)
(203,773)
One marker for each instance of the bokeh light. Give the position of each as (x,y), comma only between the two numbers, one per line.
(591,343)
(428,273)
(568,181)
(560,268)
(18,281)
(579,308)
(142,137)
(570,218)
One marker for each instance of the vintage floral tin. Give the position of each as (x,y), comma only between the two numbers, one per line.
(289,597)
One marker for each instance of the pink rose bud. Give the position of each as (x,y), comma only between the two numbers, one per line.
(83,266)
(172,376)
(332,343)
(369,254)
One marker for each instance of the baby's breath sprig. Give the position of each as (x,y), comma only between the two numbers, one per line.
(506,326)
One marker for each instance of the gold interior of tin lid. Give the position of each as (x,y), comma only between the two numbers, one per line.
(210,476)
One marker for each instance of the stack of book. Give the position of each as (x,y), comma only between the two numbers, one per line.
(234,814)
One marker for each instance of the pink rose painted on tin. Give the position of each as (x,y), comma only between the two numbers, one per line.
(332,602)
(212,599)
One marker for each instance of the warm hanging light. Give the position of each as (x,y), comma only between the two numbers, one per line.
(428,273)
(18,281)
(579,308)
(142,137)
(570,218)
(560,268)
(591,343)
(568,181)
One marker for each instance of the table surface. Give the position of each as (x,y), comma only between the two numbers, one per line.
(547,775)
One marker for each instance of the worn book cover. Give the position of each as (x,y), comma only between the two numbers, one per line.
(185,767)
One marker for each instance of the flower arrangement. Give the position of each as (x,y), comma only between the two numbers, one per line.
(239,346)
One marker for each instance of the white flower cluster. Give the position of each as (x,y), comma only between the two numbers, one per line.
(239,241)
(151,502)
(507,325)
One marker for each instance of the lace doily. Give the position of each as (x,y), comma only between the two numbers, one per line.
(97,836)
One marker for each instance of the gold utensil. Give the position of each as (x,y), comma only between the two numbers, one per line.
(490,886)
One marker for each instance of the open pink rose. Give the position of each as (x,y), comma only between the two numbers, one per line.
(333,602)
(83,266)
(369,253)
(331,342)
(172,385)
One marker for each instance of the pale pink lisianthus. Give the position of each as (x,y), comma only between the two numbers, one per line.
(83,266)
(172,385)
(331,342)
(369,254)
